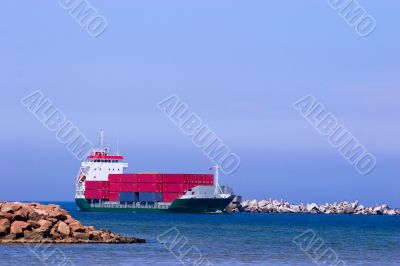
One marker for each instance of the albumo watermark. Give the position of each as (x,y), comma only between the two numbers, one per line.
(49,255)
(179,245)
(202,136)
(338,136)
(316,249)
(355,15)
(55,120)
(86,15)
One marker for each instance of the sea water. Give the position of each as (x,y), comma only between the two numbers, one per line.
(224,239)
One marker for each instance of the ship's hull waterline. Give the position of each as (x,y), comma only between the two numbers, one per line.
(208,205)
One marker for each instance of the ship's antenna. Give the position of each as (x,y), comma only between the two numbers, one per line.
(101,139)
(117,143)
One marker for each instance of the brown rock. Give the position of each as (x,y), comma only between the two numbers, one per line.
(36,215)
(33,235)
(56,236)
(45,224)
(96,235)
(22,214)
(53,232)
(70,240)
(10,207)
(53,220)
(77,227)
(9,237)
(43,231)
(18,227)
(63,229)
(34,224)
(46,208)
(6,215)
(4,227)
(55,211)
(33,204)
(57,214)
(105,236)
(41,211)
(69,219)
(88,229)
(81,236)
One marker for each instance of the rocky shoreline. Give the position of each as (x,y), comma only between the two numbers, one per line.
(37,223)
(275,206)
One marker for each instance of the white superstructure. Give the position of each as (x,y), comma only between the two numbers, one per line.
(97,166)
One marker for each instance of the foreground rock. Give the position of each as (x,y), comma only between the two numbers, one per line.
(275,206)
(33,223)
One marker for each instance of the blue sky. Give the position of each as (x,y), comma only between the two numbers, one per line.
(239,66)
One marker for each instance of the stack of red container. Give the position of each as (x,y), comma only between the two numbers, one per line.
(149,183)
(121,183)
(205,180)
(171,185)
(175,185)
(96,190)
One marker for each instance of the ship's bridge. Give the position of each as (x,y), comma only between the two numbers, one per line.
(102,156)
(99,164)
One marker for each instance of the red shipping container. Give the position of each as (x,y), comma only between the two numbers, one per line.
(192,179)
(96,194)
(159,178)
(169,197)
(201,180)
(174,187)
(128,187)
(147,178)
(113,178)
(147,187)
(96,185)
(187,178)
(159,187)
(209,179)
(205,179)
(113,196)
(122,178)
(114,187)
(123,187)
(174,178)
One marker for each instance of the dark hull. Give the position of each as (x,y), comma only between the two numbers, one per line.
(200,205)
(212,205)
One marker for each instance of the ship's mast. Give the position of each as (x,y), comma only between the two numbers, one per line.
(101,139)
(217,188)
(117,143)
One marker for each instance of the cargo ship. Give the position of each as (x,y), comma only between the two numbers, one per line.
(103,186)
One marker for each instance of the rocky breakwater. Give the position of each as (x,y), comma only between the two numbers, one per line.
(275,206)
(34,223)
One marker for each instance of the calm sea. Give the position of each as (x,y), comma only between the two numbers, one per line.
(230,239)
